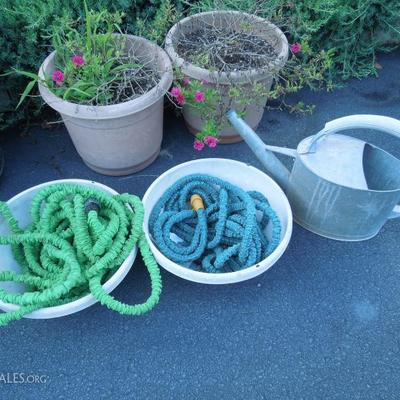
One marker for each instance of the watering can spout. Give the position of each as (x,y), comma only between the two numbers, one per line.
(263,152)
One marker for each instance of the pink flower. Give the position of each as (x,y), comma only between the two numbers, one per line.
(204,82)
(58,77)
(295,47)
(198,145)
(180,99)
(211,141)
(186,82)
(199,97)
(78,60)
(175,92)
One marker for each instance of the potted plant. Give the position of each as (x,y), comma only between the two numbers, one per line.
(109,89)
(223,59)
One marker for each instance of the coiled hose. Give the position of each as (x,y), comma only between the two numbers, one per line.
(79,236)
(227,234)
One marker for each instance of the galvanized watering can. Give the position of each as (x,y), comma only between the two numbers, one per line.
(340,187)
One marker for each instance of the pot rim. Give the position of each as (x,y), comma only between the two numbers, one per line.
(115,110)
(223,165)
(224,77)
(87,300)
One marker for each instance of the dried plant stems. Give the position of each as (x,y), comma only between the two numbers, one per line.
(230,43)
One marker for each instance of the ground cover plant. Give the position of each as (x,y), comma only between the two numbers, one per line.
(339,39)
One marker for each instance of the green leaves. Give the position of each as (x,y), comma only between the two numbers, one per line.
(27,29)
(29,86)
(30,75)
(102,60)
(88,27)
(80,90)
(26,35)
(26,92)
(210,128)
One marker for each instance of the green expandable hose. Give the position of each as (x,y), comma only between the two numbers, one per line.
(78,238)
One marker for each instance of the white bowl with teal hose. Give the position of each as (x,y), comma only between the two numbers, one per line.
(245,177)
(20,207)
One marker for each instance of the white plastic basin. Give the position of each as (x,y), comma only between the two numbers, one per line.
(241,175)
(20,207)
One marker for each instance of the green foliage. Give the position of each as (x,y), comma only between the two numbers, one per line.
(215,101)
(303,69)
(166,16)
(25,36)
(347,32)
(101,53)
(339,38)
(91,60)
(184,93)
(356,29)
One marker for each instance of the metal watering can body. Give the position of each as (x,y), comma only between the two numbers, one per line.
(340,187)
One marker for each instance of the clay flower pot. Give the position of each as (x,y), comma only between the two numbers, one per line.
(122,138)
(222,81)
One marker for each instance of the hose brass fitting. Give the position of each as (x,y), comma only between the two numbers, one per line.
(196,202)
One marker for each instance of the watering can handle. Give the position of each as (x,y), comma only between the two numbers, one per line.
(366,121)
(357,121)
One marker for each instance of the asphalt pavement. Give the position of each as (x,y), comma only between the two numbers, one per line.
(323,323)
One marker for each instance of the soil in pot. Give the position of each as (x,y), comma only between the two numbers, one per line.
(225,50)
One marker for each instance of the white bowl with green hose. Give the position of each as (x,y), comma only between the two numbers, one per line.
(242,175)
(20,207)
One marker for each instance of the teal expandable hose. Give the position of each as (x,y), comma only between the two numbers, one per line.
(78,238)
(227,234)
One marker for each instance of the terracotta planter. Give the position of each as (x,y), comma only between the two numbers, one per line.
(223,81)
(118,139)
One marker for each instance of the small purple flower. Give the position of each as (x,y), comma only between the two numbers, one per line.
(175,92)
(199,97)
(180,99)
(198,145)
(78,60)
(295,47)
(211,141)
(58,77)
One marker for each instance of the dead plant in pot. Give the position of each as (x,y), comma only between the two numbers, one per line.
(223,59)
(108,88)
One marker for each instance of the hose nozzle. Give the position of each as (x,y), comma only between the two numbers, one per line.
(196,202)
